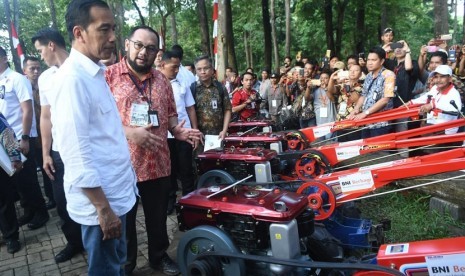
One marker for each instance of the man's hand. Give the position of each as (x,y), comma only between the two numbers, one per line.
(425,108)
(109,223)
(17,166)
(360,116)
(222,135)
(48,167)
(186,134)
(24,146)
(142,137)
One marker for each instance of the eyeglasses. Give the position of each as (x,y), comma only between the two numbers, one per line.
(150,49)
(205,69)
(2,92)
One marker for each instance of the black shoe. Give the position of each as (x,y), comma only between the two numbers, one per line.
(25,219)
(50,204)
(39,220)
(13,246)
(67,253)
(167,266)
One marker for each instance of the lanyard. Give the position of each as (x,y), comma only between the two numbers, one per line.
(142,90)
(444,92)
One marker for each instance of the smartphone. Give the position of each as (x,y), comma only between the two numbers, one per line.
(361,55)
(396,45)
(343,75)
(432,48)
(328,54)
(316,82)
(445,37)
(301,72)
(452,55)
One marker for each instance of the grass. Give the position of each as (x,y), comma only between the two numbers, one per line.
(410,217)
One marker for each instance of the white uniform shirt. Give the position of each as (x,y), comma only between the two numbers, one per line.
(90,138)
(442,102)
(17,89)
(183,98)
(185,77)
(46,83)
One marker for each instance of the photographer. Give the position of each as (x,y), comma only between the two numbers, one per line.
(276,97)
(244,101)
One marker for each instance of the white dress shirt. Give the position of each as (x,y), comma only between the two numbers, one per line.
(17,89)
(183,98)
(185,77)
(90,138)
(46,84)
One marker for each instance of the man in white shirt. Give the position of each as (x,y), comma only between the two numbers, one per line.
(52,48)
(99,181)
(180,151)
(16,104)
(442,93)
(184,76)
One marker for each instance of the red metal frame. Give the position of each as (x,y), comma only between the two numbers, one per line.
(354,183)
(300,139)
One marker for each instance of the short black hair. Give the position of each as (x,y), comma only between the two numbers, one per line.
(247,73)
(78,14)
(380,52)
(46,35)
(176,48)
(204,57)
(168,55)
(288,57)
(31,58)
(440,54)
(147,28)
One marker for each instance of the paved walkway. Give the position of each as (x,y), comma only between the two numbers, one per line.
(38,248)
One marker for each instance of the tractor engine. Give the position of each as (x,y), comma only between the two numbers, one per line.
(242,220)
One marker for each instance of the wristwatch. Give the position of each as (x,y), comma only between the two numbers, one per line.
(24,137)
(367,112)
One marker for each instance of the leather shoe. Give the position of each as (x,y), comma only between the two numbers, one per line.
(13,246)
(50,204)
(67,253)
(38,221)
(24,219)
(167,266)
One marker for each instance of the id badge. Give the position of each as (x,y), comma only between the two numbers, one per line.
(303,102)
(139,115)
(153,117)
(214,104)
(342,108)
(323,112)
(274,103)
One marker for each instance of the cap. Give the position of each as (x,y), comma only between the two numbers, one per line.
(443,70)
(339,65)
(2,52)
(388,30)
(274,76)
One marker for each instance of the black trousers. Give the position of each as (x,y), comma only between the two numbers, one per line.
(154,196)
(27,184)
(69,227)
(8,221)
(181,167)
(48,190)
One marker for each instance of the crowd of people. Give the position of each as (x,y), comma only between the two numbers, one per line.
(108,134)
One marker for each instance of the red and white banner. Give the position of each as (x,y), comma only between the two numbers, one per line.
(16,43)
(215,32)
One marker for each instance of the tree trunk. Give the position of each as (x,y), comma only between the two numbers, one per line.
(456,22)
(287,7)
(204,33)
(53,14)
(14,54)
(118,10)
(246,49)
(341,8)
(360,27)
(174,30)
(221,62)
(441,15)
(383,21)
(274,37)
(328,11)
(229,35)
(142,21)
(267,34)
